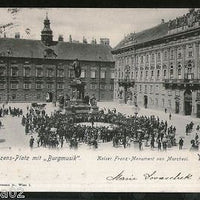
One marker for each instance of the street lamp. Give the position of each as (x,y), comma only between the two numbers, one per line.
(8,75)
(99,82)
(56,84)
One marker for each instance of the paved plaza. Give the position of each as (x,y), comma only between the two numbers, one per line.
(12,134)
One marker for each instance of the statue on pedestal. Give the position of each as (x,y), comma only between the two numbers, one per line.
(77,68)
(77,84)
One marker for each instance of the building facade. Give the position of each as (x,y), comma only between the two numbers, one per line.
(37,70)
(159,68)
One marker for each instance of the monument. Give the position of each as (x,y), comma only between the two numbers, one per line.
(76,103)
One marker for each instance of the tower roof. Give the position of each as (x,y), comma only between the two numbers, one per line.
(47,33)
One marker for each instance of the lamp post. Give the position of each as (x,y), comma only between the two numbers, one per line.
(56,84)
(99,82)
(8,75)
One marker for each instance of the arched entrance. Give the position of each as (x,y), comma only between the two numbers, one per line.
(177,104)
(188,102)
(49,97)
(177,107)
(198,110)
(145,101)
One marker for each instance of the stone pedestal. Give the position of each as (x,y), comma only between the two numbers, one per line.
(77,104)
(121,101)
(94,109)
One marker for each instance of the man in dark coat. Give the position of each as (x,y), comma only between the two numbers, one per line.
(31,142)
(87,99)
(181,143)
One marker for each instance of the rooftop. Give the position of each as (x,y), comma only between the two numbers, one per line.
(154,33)
(187,22)
(23,48)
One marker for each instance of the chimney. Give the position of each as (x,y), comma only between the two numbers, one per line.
(60,38)
(17,35)
(84,40)
(93,41)
(105,41)
(70,38)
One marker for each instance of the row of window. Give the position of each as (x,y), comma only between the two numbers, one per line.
(129,60)
(15,86)
(151,89)
(27,72)
(94,86)
(94,74)
(51,73)
(157,73)
(40,96)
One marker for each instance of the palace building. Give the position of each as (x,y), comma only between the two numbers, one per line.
(159,68)
(37,70)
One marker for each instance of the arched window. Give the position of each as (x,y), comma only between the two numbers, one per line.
(190,51)
(171,72)
(159,56)
(136,59)
(142,60)
(164,73)
(147,58)
(179,71)
(179,54)
(189,71)
(165,55)
(146,74)
(141,74)
(132,75)
(152,74)
(119,73)
(172,54)
(189,68)
(158,73)
(152,57)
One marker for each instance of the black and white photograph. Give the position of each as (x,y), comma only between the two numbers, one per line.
(95,98)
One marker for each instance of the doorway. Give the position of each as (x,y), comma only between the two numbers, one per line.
(49,97)
(198,110)
(188,102)
(177,107)
(145,101)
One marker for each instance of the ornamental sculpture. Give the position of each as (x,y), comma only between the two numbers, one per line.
(186,20)
(127,71)
(129,38)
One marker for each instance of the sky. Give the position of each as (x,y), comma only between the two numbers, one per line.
(112,23)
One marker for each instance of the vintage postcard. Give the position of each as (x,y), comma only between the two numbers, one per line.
(99,100)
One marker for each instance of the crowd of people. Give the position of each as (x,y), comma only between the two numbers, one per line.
(14,112)
(10,111)
(195,141)
(189,128)
(56,129)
